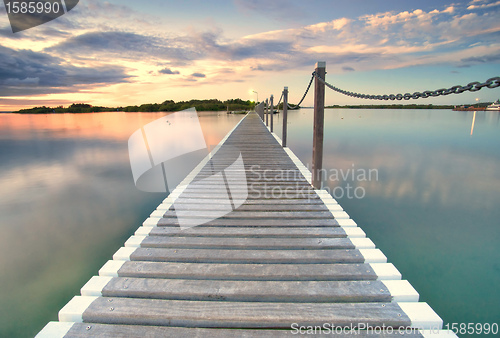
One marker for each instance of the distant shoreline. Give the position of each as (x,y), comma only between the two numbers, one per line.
(231,106)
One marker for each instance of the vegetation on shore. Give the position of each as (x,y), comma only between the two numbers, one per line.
(209,105)
(169,105)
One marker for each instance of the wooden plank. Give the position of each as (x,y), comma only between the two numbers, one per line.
(311,232)
(247,256)
(200,183)
(215,190)
(248,272)
(254,207)
(79,330)
(257,222)
(269,201)
(278,194)
(249,291)
(206,314)
(253,215)
(246,243)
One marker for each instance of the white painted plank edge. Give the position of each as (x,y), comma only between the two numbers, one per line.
(55,330)
(134,241)
(401,291)
(277,138)
(373,256)
(386,271)
(340,214)
(334,207)
(346,223)
(151,222)
(362,243)
(73,311)
(123,254)
(354,232)
(95,285)
(158,213)
(422,316)
(111,268)
(164,206)
(143,231)
(302,168)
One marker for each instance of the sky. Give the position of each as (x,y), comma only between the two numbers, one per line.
(119,53)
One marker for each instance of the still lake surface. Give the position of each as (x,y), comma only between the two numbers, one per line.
(68,201)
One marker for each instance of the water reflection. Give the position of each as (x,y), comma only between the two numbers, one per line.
(434,210)
(67,202)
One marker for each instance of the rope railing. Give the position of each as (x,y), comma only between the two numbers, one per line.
(493,82)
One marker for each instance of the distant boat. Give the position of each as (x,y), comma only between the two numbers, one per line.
(494,106)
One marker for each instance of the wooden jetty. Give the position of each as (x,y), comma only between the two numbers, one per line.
(277,265)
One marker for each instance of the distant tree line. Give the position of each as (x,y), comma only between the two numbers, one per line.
(75,108)
(167,106)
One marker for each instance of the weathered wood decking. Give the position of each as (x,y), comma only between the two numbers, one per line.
(274,261)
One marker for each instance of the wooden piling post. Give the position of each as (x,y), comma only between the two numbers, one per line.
(267,112)
(272,113)
(319,119)
(285,113)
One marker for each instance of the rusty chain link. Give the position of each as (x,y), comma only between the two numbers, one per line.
(494,82)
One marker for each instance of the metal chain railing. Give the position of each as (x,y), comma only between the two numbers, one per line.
(494,82)
(279,102)
(297,106)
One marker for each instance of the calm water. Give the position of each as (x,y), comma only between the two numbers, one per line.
(434,210)
(67,203)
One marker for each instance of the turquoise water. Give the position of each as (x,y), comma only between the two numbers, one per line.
(434,209)
(67,203)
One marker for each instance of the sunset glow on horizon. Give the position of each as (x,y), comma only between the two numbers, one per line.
(118,53)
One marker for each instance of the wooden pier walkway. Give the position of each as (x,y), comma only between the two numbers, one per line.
(287,257)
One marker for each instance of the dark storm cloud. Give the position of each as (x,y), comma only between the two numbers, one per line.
(26,72)
(179,50)
(125,44)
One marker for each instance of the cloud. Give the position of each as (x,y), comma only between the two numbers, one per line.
(482,5)
(127,45)
(389,40)
(200,75)
(26,72)
(492,58)
(393,39)
(169,71)
(276,9)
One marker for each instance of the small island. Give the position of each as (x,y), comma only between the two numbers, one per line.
(166,106)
